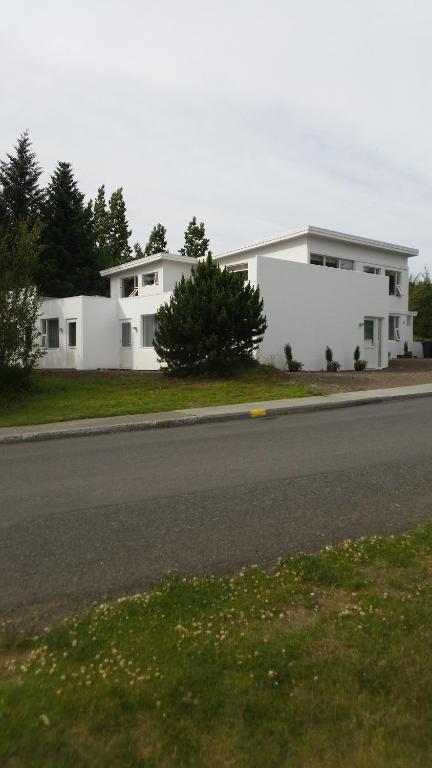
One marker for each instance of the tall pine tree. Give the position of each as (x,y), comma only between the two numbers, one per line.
(196,243)
(21,197)
(157,241)
(119,249)
(69,261)
(101,225)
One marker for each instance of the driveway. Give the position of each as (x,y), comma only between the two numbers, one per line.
(88,518)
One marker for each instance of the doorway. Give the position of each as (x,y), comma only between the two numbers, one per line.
(125,344)
(372,341)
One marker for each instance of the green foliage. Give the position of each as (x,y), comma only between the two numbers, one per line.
(420,300)
(332,365)
(196,243)
(321,661)
(359,365)
(119,232)
(101,224)
(19,303)
(157,241)
(69,260)
(213,323)
(293,365)
(20,194)
(138,251)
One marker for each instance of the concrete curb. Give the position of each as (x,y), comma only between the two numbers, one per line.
(240,411)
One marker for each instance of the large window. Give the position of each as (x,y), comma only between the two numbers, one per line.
(148,327)
(50,333)
(129,286)
(331,261)
(126,334)
(394,282)
(150,278)
(394,332)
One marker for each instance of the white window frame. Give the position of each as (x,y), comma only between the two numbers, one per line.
(122,324)
(69,322)
(340,263)
(398,292)
(134,291)
(145,332)
(241,269)
(148,276)
(396,328)
(371,270)
(45,333)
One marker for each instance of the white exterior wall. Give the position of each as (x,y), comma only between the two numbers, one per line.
(312,307)
(95,317)
(139,357)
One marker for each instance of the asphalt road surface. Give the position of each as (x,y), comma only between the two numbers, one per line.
(94,517)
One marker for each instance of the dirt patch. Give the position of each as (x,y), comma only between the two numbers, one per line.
(400,373)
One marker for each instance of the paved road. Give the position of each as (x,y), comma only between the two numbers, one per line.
(85,518)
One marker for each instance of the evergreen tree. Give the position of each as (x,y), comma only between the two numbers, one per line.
(119,249)
(213,323)
(196,243)
(20,194)
(69,260)
(101,225)
(138,251)
(157,241)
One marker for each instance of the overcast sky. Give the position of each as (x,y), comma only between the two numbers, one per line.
(256,116)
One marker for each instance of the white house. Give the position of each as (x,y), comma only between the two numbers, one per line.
(319,288)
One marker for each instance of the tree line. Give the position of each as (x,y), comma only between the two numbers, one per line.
(75,239)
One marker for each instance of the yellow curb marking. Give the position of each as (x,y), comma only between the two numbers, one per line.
(258,412)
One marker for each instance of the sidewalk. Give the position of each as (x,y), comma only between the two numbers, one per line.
(189,416)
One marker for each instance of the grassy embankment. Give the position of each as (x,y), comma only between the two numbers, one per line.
(57,397)
(323,661)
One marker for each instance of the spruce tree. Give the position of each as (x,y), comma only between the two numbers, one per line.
(69,261)
(196,243)
(20,194)
(138,251)
(213,323)
(119,249)
(101,225)
(157,241)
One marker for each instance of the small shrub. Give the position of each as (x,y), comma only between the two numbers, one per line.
(293,365)
(359,365)
(332,365)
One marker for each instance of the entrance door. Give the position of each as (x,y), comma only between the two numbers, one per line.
(71,344)
(125,344)
(372,342)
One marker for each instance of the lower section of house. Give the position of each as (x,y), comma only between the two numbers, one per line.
(308,306)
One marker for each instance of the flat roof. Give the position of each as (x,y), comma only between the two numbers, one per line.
(328,234)
(147,260)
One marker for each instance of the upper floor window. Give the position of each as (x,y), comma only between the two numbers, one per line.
(331,261)
(240,269)
(129,286)
(372,270)
(395,288)
(50,333)
(150,278)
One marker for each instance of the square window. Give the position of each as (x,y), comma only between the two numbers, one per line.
(317,260)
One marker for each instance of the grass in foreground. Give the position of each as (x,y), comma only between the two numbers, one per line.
(60,398)
(323,661)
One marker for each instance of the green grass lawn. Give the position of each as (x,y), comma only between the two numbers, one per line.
(323,661)
(57,397)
